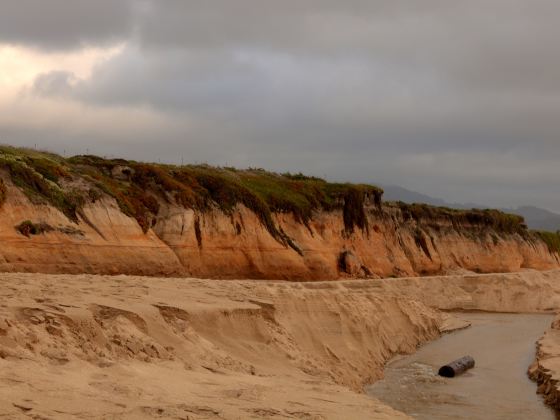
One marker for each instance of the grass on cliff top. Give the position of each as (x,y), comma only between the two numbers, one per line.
(202,187)
(139,187)
(551,239)
(495,219)
(38,176)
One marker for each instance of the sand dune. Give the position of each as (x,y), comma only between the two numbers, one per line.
(132,347)
(124,347)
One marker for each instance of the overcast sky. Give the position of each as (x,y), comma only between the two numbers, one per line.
(456,99)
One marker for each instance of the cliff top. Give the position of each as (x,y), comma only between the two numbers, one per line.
(138,187)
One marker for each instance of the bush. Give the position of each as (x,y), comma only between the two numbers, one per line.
(39,189)
(551,239)
(94,194)
(198,187)
(494,219)
(48,169)
(47,178)
(28,228)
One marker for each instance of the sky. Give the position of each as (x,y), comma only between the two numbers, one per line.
(455,99)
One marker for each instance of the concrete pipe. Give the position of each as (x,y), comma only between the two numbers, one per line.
(456,367)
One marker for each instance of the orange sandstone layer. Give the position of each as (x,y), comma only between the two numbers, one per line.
(216,245)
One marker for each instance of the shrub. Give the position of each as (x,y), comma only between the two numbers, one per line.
(198,187)
(28,228)
(48,169)
(39,189)
(94,194)
(494,219)
(551,239)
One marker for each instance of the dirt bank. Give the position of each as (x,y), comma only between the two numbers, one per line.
(131,347)
(236,244)
(546,368)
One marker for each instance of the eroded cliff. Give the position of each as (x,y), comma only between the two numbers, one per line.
(90,215)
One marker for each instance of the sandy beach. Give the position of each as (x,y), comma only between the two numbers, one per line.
(133,347)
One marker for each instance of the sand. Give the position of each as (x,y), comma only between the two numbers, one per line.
(134,347)
(236,244)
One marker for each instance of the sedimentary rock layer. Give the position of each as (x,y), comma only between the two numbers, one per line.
(213,244)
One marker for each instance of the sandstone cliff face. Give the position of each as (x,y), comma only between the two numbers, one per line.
(111,243)
(213,244)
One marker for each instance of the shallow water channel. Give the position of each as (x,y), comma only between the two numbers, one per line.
(498,387)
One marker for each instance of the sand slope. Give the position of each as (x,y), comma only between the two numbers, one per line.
(132,347)
(124,347)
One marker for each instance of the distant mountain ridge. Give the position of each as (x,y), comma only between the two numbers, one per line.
(538,218)
(535,217)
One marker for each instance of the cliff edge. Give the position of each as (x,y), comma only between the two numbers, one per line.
(91,215)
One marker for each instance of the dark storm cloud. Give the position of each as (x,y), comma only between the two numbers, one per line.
(455,98)
(64,24)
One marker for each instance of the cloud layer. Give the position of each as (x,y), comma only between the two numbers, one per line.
(454,99)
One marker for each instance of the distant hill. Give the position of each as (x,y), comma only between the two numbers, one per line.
(538,218)
(535,217)
(395,193)
(57,215)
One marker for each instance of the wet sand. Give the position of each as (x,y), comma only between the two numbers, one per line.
(503,347)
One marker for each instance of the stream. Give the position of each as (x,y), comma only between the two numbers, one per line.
(503,346)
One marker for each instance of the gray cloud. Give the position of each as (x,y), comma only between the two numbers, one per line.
(62,24)
(454,99)
(55,83)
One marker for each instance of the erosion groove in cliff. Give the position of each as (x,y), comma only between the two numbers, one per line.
(93,215)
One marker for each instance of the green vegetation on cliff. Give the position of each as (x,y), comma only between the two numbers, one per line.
(38,175)
(139,188)
(551,239)
(495,219)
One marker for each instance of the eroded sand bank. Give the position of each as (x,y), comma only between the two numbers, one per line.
(131,347)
